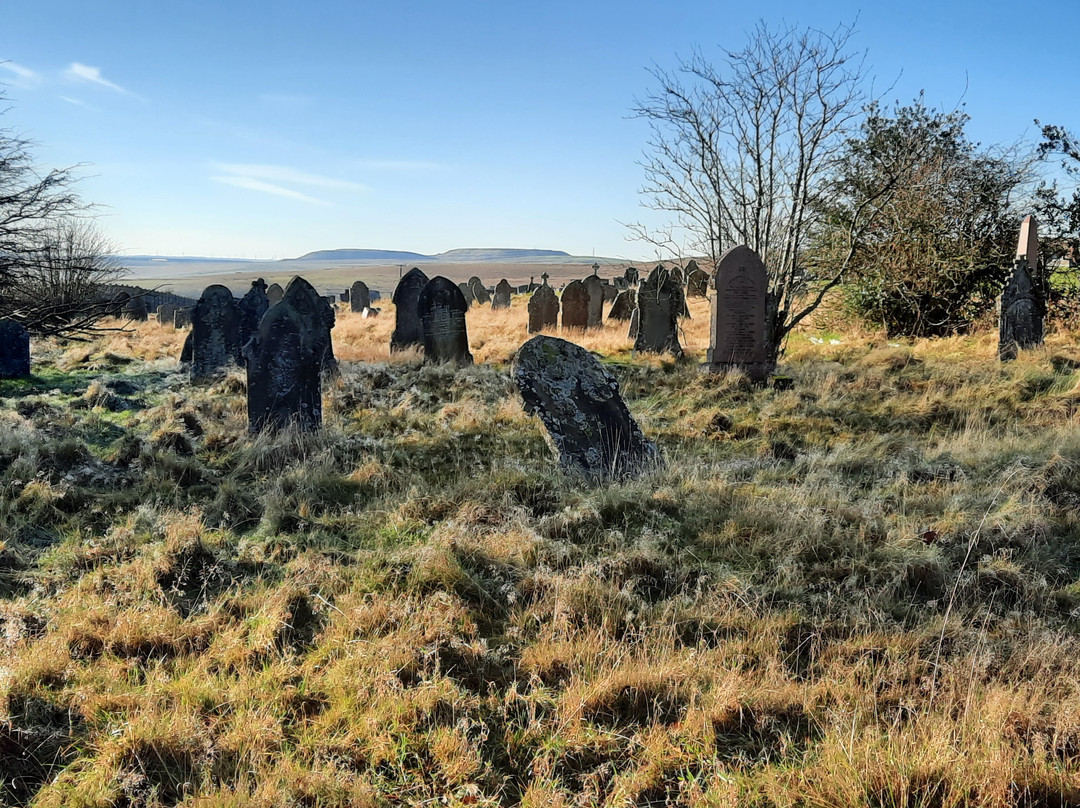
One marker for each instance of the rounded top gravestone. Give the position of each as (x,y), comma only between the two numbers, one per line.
(739,331)
(595,287)
(359,296)
(215,333)
(503,290)
(252,307)
(442,310)
(575,305)
(659,302)
(408,330)
(274,293)
(543,308)
(318,317)
(480,293)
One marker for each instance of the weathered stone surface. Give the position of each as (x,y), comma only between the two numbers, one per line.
(697,283)
(575,305)
(503,290)
(182,317)
(739,331)
(1020,326)
(595,287)
(442,310)
(624,305)
(479,291)
(635,324)
(135,309)
(284,356)
(659,302)
(466,292)
(252,307)
(677,276)
(359,296)
(631,276)
(610,292)
(165,313)
(344,296)
(543,309)
(408,329)
(14,350)
(317,315)
(215,334)
(578,401)
(274,293)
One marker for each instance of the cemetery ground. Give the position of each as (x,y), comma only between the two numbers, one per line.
(864,590)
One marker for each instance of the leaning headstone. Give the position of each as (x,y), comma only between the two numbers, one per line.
(215,334)
(480,294)
(408,329)
(252,307)
(595,287)
(631,276)
(579,403)
(1020,326)
(543,308)
(165,313)
(624,306)
(359,296)
(739,335)
(501,299)
(575,305)
(14,350)
(135,309)
(182,317)
(659,301)
(635,323)
(697,283)
(274,293)
(442,310)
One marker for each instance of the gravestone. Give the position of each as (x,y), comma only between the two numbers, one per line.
(677,276)
(738,337)
(501,300)
(182,317)
(543,308)
(274,293)
(14,350)
(610,292)
(624,305)
(118,304)
(252,307)
(1020,324)
(631,276)
(635,323)
(359,296)
(466,292)
(165,314)
(215,333)
(408,330)
(344,296)
(480,294)
(697,283)
(442,310)
(659,301)
(284,356)
(595,287)
(317,312)
(578,401)
(135,309)
(575,305)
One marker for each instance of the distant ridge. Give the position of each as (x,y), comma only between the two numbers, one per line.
(362,255)
(465,256)
(469,256)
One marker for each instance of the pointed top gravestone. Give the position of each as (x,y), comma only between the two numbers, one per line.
(738,337)
(659,301)
(501,300)
(14,350)
(317,317)
(274,293)
(543,308)
(408,330)
(578,401)
(479,291)
(575,305)
(359,296)
(442,310)
(624,305)
(252,308)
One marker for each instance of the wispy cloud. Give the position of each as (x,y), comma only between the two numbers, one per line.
(80,72)
(290,176)
(252,184)
(24,76)
(77,102)
(399,165)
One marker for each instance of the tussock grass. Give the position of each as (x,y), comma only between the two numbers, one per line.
(861,591)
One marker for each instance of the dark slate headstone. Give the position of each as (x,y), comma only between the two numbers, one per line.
(359,296)
(135,309)
(14,350)
(480,293)
(182,317)
(595,287)
(1021,321)
(610,292)
(739,331)
(408,330)
(677,276)
(274,293)
(579,403)
(374,295)
(466,292)
(215,334)
(620,284)
(344,296)
(631,276)
(284,385)
(624,305)
(503,290)
(575,305)
(524,289)
(252,308)
(165,313)
(318,316)
(442,310)
(659,301)
(697,283)
(543,308)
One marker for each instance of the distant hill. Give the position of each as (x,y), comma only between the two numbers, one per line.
(470,256)
(363,255)
(465,256)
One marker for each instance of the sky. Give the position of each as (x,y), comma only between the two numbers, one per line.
(271,129)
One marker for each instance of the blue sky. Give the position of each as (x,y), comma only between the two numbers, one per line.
(272,129)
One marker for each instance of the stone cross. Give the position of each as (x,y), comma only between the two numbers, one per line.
(543,308)
(408,330)
(442,310)
(738,337)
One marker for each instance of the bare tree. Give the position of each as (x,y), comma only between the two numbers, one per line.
(746,153)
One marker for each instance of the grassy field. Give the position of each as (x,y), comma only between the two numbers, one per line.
(862,591)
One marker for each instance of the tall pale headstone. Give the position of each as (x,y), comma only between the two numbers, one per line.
(739,335)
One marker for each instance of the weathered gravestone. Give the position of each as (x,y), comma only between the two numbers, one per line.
(284,359)
(359,296)
(579,403)
(466,292)
(14,350)
(165,313)
(624,305)
(575,305)
(595,287)
(215,333)
(408,330)
(503,290)
(135,308)
(118,304)
(739,334)
(344,296)
(1020,326)
(316,310)
(631,276)
(610,292)
(697,283)
(635,323)
(274,293)
(252,307)
(659,301)
(182,317)
(480,294)
(677,276)
(543,308)
(442,310)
